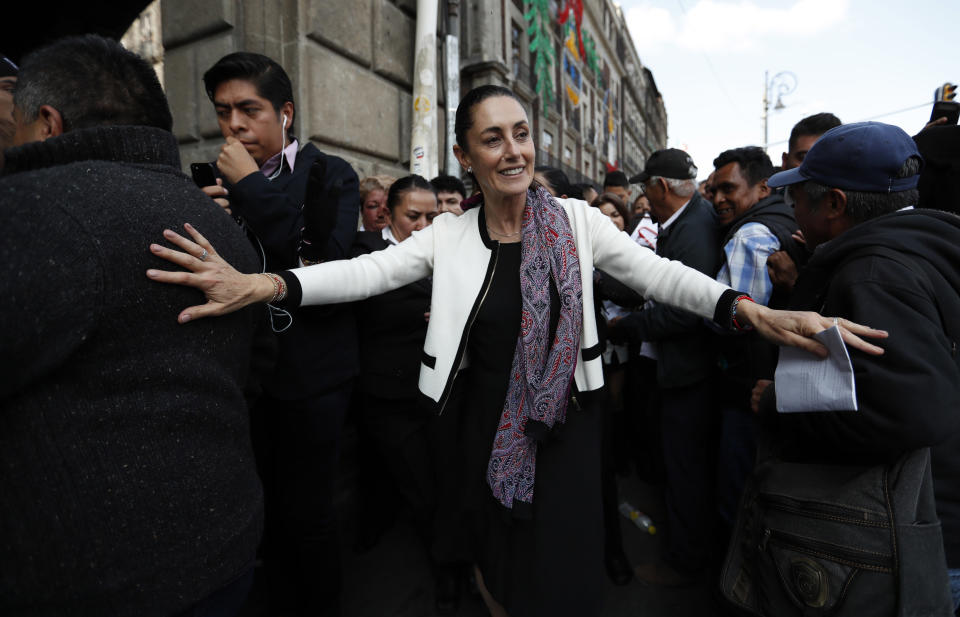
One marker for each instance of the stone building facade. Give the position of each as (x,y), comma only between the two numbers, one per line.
(351,62)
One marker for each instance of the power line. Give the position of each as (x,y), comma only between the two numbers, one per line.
(883,115)
(716,76)
(891,113)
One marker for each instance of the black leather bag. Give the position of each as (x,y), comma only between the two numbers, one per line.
(836,540)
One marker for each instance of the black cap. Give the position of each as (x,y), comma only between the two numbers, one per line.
(669,163)
(7,67)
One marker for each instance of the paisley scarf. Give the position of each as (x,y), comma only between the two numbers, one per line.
(542,370)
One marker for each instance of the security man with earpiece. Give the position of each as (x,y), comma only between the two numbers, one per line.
(266,178)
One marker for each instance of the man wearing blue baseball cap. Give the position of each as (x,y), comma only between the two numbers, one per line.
(877,260)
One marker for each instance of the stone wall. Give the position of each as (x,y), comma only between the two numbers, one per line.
(351,62)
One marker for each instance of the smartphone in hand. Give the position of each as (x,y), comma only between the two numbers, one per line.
(203,174)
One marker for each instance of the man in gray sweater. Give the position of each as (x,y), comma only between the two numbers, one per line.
(128,481)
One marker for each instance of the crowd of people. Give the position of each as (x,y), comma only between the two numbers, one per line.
(174,396)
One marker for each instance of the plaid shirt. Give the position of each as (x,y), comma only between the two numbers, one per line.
(745,264)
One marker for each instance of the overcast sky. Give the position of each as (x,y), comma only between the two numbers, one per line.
(856,58)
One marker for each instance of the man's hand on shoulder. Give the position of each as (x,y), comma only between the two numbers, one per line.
(234,162)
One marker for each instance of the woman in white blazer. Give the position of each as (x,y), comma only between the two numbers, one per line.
(511,348)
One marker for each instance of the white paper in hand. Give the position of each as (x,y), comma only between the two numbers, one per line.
(806,382)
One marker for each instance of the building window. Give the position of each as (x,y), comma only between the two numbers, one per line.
(547,142)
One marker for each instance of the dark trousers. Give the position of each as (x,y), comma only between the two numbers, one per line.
(612,536)
(297,445)
(738,453)
(642,418)
(398,437)
(689,430)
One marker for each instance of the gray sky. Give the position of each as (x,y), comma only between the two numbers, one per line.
(858,59)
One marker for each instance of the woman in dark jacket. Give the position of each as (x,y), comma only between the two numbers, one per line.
(397,433)
(391,328)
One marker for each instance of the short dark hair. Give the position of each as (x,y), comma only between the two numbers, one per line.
(449,184)
(616,178)
(404,185)
(557,180)
(268,78)
(583,186)
(464,117)
(865,205)
(92,81)
(817,124)
(616,202)
(754,163)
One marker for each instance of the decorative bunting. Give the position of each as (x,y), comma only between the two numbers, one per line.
(576,7)
(538,16)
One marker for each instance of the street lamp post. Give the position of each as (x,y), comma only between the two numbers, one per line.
(784,82)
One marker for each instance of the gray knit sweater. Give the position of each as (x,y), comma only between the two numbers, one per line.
(127,481)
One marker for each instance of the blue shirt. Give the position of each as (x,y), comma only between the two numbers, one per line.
(745,264)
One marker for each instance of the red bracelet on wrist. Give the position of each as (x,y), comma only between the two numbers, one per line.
(733,312)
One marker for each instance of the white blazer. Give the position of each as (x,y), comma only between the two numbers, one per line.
(457,251)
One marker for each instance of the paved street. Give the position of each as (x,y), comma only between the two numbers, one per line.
(393,580)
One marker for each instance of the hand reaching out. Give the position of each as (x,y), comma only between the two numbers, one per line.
(226,289)
(796,328)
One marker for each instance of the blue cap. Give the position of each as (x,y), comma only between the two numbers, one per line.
(863,156)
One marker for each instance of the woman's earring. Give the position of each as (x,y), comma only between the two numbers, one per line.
(470,169)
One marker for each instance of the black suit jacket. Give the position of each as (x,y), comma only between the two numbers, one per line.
(318,352)
(391,329)
(684,347)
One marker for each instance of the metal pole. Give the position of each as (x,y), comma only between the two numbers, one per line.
(451,51)
(423,136)
(766,106)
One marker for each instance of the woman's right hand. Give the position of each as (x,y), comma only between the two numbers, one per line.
(226,289)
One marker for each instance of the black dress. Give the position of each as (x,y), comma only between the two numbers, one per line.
(551,562)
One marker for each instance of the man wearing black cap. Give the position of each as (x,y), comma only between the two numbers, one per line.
(8,80)
(688,233)
(877,260)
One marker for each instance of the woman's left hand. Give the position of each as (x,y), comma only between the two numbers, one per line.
(796,328)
